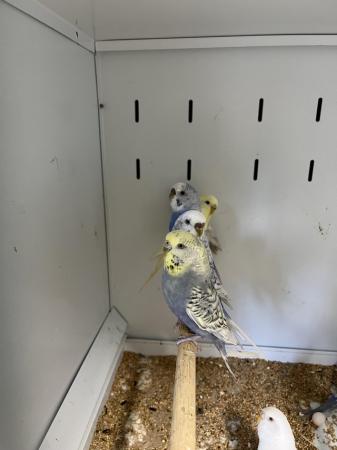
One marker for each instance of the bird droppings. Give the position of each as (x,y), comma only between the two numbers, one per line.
(233,444)
(144,380)
(326,434)
(55,161)
(324,231)
(136,431)
(139,419)
(318,419)
(233,425)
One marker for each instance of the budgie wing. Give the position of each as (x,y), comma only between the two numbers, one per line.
(214,243)
(205,308)
(217,283)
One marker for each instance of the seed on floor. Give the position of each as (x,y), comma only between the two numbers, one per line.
(137,414)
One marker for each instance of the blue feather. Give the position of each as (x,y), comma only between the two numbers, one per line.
(174,217)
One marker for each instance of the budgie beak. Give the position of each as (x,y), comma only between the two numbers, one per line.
(167,247)
(213,208)
(199,228)
(172,193)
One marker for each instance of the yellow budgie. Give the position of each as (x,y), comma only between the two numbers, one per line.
(208,205)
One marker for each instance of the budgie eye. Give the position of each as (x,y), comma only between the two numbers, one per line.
(207,202)
(182,193)
(188,222)
(181,246)
(271,419)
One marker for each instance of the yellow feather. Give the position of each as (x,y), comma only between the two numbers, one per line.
(209,204)
(178,260)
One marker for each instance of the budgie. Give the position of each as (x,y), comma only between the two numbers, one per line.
(183,197)
(192,221)
(195,222)
(209,204)
(189,291)
(274,431)
(328,405)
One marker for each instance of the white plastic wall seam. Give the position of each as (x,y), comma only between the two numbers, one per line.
(75,421)
(216,42)
(44,15)
(151,347)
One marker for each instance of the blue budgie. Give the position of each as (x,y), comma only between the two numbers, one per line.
(183,197)
(190,293)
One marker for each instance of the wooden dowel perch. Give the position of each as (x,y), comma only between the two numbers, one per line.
(183,427)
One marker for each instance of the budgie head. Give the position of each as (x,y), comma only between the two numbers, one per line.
(192,221)
(184,252)
(183,196)
(209,204)
(274,428)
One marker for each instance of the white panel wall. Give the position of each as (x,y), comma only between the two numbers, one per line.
(77,12)
(136,19)
(132,19)
(279,232)
(53,274)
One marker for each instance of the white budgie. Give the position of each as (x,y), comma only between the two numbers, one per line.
(274,431)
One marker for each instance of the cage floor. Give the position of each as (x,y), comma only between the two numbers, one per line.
(137,414)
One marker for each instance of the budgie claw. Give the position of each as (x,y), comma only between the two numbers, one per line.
(192,338)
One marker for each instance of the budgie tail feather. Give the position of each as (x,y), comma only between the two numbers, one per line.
(221,346)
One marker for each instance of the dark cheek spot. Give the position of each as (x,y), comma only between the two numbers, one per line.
(171,267)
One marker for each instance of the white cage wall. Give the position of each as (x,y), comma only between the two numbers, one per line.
(278,231)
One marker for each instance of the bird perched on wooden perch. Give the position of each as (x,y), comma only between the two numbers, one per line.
(189,290)
(274,431)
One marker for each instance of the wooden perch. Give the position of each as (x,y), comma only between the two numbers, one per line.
(183,427)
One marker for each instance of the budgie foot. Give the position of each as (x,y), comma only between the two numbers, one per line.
(193,338)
